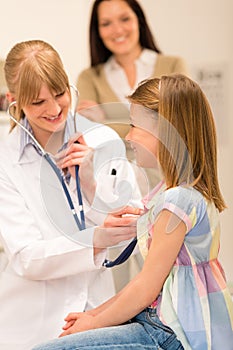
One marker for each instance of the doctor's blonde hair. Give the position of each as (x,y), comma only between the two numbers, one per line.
(30,64)
(187,145)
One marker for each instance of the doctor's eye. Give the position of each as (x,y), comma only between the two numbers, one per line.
(60,94)
(37,103)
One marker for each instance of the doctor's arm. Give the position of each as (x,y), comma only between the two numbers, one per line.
(35,246)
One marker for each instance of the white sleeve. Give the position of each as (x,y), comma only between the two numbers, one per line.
(113,191)
(34,246)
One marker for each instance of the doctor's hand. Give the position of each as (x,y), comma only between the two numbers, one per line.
(118,227)
(78,153)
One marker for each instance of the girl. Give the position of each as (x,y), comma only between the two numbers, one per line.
(179,300)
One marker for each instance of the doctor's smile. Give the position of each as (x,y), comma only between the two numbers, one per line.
(54,119)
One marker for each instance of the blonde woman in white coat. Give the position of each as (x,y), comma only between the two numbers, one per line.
(48,273)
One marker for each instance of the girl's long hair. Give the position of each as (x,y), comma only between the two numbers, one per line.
(187,146)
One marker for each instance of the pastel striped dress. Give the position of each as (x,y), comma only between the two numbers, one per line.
(195,301)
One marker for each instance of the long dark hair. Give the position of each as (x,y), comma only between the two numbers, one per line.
(98,51)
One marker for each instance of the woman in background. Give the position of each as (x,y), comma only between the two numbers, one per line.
(123,53)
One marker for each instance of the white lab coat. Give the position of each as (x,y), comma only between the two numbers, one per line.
(48,275)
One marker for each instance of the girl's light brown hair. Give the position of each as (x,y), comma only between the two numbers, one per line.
(30,64)
(187,148)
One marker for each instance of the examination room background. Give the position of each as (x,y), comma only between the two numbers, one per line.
(199,31)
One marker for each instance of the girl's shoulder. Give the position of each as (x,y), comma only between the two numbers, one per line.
(186,202)
(179,195)
(184,197)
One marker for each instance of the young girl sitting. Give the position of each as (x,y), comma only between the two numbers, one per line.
(180,299)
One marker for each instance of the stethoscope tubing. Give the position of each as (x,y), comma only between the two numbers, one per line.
(125,254)
(81,225)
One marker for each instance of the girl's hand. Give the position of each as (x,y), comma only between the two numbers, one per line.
(78,322)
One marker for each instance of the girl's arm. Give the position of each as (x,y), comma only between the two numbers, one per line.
(168,237)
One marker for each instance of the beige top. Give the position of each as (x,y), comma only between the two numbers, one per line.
(2,77)
(118,80)
(93,85)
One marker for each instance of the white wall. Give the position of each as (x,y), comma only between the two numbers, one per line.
(62,23)
(197,30)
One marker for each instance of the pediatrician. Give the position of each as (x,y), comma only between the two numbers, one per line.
(53,267)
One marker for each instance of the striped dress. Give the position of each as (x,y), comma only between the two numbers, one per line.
(195,301)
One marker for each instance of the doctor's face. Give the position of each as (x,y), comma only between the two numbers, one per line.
(48,113)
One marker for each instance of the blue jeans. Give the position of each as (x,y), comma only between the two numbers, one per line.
(145,331)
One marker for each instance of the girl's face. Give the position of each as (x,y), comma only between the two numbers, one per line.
(118,27)
(142,136)
(48,113)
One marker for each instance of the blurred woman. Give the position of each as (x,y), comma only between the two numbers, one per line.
(123,52)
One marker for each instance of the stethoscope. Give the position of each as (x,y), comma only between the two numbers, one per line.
(80,222)
(125,254)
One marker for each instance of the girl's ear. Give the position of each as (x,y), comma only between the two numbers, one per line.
(10,97)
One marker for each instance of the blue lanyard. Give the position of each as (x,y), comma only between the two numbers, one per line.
(81,225)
